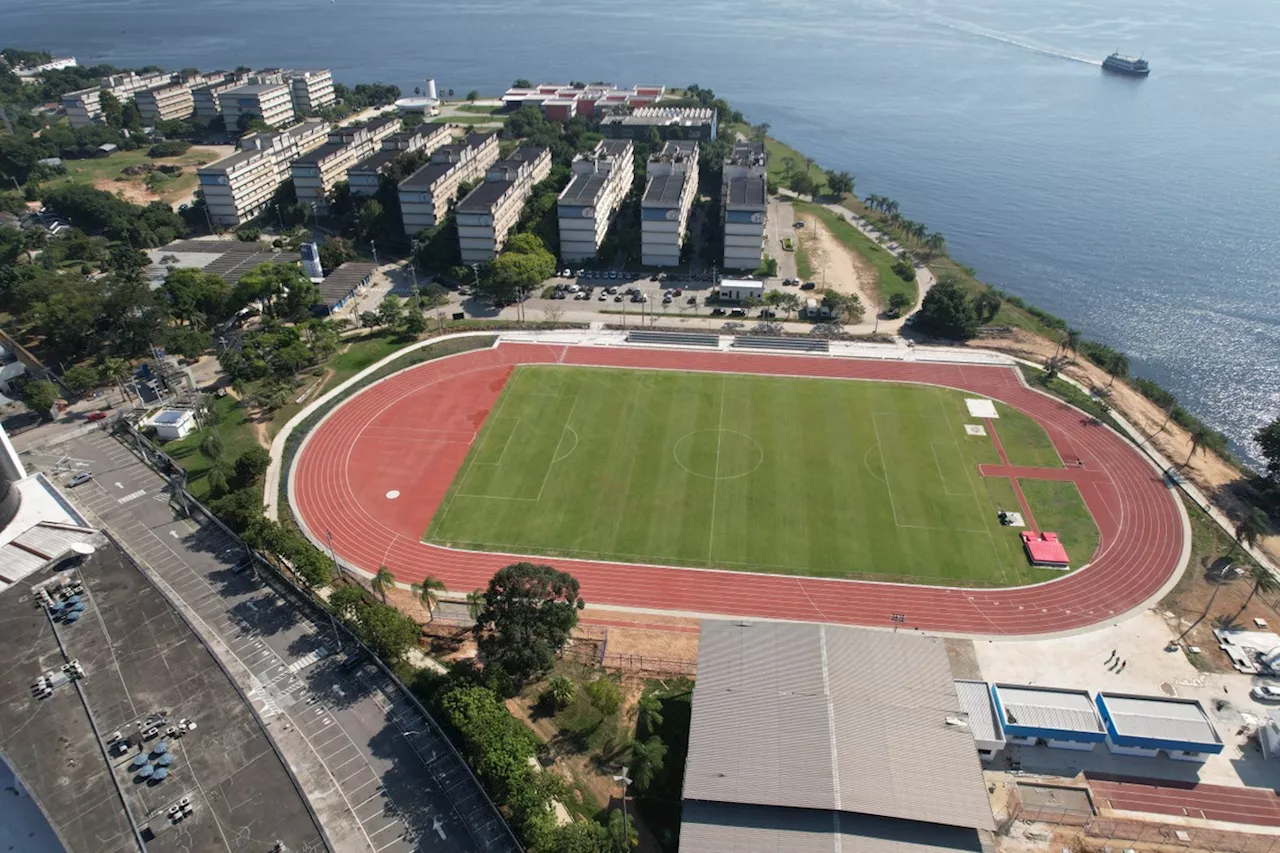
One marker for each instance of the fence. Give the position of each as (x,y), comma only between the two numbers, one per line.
(594,653)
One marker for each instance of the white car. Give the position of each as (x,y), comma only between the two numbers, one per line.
(1265,693)
(81,478)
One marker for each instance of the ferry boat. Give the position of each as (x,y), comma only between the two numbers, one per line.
(1127,65)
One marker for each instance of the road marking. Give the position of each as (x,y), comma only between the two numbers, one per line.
(132,496)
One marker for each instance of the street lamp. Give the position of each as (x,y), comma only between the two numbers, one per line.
(626,833)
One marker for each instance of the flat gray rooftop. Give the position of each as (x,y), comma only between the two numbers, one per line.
(664,190)
(140,659)
(749,192)
(346,278)
(319,153)
(583,189)
(1048,708)
(1159,718)
(975,701)
(484,196)
(426,177)
(834,718)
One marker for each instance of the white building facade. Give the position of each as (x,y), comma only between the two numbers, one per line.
(670,188)
(587,206)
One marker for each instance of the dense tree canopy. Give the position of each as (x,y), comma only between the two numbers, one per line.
(528,613)
(947,311)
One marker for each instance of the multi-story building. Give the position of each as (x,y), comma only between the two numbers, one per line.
(743,205)
(125,86)
(83,107)
(29,73)
(311,90)
(559,102)
(237,188)
(316,172)
(671,123)
(601,180)
(164,103)
(364,177)
(268,101)
(491,210)
(425,195)
(205,103)
(671,185)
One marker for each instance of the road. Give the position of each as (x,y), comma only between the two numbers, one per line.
(379,774)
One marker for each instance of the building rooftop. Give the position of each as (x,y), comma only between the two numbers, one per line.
(484,196)
(1158,718)
(255,89)
(835,718)
(377,161)
(426,177)
(674,150)
(319,154)
(140,659)
(338,285)
(747,154)
(1054,708)
(583,189)
(975,701)
(226,258)
(664,116)
(721,827)
(664,190)
(747,191)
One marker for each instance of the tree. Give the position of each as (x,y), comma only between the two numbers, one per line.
(789,303)
(117,370)
(1251,528)
(1268,441)
(646,760)
(621,832)
(369,319)
(472,95)
(112,110)
(986,305)
(425,592)
(1199,435)
(605,695)
(386,630)
(649,711)
(898,303)
(390,310)
(334,252)
(1071,342)
(840,183)
(475,603)
(1263,581)
(414,323)
(528,612)
(521,268)
(251,465)
(802,183)
(561,690)
(843,306)
(40,397)
(521,83)
(211,445)
(934,243)
(216,478)
(946,312)
(383,581)
(79,379)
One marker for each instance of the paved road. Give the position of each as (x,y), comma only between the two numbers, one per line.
(376,770)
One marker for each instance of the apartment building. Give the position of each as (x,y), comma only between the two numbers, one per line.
(425,195)
(365,177)
(83,107)
(165,103)
(492,209)
(670,187)
(270,102)
(671,123)
(601,181)
(238,187)
(205,104)
(743,205)
(559,102)
(310,90)
(125,86)
(316,172)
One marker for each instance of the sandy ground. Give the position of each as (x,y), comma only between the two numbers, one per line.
(1209,472)
(845,271)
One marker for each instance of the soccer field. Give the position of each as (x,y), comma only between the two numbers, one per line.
(795,476)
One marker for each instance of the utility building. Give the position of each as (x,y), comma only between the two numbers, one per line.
(491,210)
(425,196)
(365,176)
(238,187)
(671,185)
(744,205)
(602,178)
(316,172)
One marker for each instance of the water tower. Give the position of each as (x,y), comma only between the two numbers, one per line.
(431,90)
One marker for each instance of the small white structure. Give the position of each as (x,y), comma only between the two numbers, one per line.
(172,424)
(980,710)
(741,289)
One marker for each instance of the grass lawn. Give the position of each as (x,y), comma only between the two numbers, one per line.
(804,266)
(887,282)
(467,119)
(779,152)
(109,168)
(751,473)
(236,432)
(479,108)
(1059,508)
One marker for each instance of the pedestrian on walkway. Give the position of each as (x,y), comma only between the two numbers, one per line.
(1123,664)
(1112,657)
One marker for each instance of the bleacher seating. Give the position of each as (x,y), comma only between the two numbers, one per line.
(793,344)
(674,339)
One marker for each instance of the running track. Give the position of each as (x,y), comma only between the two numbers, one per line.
(412,431)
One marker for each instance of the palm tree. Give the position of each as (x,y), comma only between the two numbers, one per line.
(562,691)
(622,834)
(1071,342)
(216,478)
(425,592)
(934,243)
(1263,581)
(117,370)
(649,710)
(475,603)
(1199,436)
(1250,528)
(1222,579)
(211,446)
(647,757)
(382,582)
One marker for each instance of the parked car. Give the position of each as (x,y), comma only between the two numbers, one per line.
(767,314)
(566,273)
(797,224)
(1265,693)
(80,479)
(666,300)
(808,285)
(603,296)
(653,278)
(692,300)
(738,312)
(618,298)
(96,416)
(717,312)
(678,292)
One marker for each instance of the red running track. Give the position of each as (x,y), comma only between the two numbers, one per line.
(1257,806)
(411,432)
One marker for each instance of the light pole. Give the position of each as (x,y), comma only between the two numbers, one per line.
(328,535)
(626,832)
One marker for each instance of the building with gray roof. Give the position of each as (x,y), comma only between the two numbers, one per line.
(425,196)
(744,205)
(670,188)
(980,710)
(1148,725)
(489,212)
(699,123)
(602,179)
(1060,717)
(861,728)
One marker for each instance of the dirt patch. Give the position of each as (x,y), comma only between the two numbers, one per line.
(134,192)
(845,271)
(1213,475)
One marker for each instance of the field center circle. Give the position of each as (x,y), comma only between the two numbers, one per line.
(718,454)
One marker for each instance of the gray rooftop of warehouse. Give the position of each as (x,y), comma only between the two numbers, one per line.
(1159,718)
(834,718)
(1048,708)
(975,700)
(346,278)
(230,259)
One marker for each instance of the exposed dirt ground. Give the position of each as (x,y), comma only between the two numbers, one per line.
(1216,478)
(846,271)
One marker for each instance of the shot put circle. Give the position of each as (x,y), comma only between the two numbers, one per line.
(739,454)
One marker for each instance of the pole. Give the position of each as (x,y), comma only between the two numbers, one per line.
(328,535)
(208,218)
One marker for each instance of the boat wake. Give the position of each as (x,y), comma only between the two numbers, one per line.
(996,35)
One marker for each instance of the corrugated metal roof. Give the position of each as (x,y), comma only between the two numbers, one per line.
(1043,708)
(975,701)
(828,717)
(722,827)
(1181,720)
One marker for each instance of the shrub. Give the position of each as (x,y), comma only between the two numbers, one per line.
(169,148)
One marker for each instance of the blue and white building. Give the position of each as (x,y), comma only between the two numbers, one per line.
(672,184)
(744,205)
(1058,717)
(1149,725)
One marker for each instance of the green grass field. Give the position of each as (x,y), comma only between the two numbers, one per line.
(795,476)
